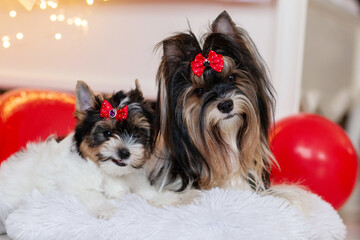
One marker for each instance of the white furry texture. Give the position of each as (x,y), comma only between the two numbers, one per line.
(5,210)
(218,215)
(49,165)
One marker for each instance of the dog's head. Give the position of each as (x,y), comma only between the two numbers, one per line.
(215,103)
(113,130)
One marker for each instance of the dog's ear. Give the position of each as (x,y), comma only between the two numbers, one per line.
(172,52)
(180,47)
(138,88)
(136,94)
(85,98)
(224,24)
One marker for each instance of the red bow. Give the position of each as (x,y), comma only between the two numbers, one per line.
(216,62)
(107,111)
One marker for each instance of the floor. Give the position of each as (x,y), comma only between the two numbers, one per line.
(350,213)
(353,231)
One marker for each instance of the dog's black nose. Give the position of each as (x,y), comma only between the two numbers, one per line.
(226,106)
(124,153)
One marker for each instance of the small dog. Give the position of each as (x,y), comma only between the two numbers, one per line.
(100,161)
(215,103)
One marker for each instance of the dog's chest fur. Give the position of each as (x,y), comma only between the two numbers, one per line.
(56,166)
(235,179)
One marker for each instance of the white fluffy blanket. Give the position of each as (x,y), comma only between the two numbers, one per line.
(219,214)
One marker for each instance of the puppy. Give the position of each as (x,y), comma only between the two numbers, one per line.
(100,161)
(215,103)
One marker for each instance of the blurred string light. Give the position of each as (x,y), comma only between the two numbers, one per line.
(44,4)
(58,36)
(90,2)
(61,17)
(19,36)
(77,21)
(6,44)
(52,4)
(12,13)
(53,17)
(6,41)
(5,38)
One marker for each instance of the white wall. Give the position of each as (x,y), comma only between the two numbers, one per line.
(330,63)
(118,45)
(290,38)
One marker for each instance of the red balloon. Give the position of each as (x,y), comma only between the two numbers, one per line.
(316,153)
(33,115)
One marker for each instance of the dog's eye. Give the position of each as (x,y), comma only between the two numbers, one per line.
(107,134)
(199,92)
(231,77)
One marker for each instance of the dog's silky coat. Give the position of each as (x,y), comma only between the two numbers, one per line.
(101,161)
(213,128)
(213,123)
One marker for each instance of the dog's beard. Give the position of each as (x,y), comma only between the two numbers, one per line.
(107,157)
(227,141)
(110,161)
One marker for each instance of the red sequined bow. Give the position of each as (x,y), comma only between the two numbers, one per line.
(107,111)
(215,61)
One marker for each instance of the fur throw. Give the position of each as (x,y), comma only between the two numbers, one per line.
(219,214)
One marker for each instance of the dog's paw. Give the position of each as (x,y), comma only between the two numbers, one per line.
(190,196)
(105,211)
(170,198)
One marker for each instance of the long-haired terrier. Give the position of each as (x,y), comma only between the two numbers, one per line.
(215,103)
(100,161)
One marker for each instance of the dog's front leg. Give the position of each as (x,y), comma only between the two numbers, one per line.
(98,205)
